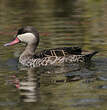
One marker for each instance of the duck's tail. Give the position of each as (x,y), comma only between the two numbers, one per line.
(90,55)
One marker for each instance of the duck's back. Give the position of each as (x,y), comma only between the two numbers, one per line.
(59,52)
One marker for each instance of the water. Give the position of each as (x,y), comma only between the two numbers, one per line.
(60,23)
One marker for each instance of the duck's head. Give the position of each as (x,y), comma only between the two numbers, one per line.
(27,35)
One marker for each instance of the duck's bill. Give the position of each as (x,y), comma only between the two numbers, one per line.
(13,42)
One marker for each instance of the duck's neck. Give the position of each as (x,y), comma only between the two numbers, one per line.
(29,50)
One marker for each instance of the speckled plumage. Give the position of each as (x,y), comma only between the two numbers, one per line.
(55,60)
(55,56)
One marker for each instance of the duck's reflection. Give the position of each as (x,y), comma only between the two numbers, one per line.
(29,88)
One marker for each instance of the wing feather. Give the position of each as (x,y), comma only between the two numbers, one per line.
(59,52)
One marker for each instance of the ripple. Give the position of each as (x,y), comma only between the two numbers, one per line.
(87,102)
(102,87)
(7,103)
(102,78)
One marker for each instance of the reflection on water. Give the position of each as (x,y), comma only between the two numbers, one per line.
(60,23)
(30,85)
(29,88)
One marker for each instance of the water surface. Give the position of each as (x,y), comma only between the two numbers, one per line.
(60,23)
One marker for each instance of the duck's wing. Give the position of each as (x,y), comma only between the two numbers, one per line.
(59,52)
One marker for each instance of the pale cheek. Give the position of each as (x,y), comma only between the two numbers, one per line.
(27,39)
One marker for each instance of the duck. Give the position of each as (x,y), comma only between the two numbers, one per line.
(55,56)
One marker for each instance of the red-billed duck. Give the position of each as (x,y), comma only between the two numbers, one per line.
(29,58)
